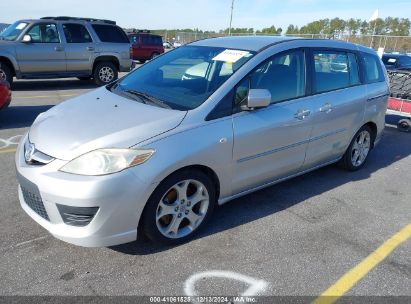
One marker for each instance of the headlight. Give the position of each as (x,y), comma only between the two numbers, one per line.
(107,161)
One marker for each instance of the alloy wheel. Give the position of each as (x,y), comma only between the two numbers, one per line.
(182,209)
(360,148)
(106,74)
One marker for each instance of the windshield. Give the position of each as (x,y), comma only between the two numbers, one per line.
(13,31)
(183,78)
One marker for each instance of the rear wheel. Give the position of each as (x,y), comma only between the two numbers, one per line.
(179,207)
(6,73)
(154,55)
(358,150)
(404,125)
(104,73)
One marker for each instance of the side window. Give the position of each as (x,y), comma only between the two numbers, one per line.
(76,33)
(44,33)
(110,33)
(331,71)
(283,75)
(372,68)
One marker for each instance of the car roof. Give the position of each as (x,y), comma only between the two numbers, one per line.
(259,43)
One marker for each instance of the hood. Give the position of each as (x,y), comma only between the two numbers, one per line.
(99,119)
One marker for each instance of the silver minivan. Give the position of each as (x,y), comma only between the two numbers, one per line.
(203,124)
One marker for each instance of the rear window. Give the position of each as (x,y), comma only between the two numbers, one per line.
(110,33)
(372,68)
(389,60)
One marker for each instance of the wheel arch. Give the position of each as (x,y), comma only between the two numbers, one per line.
(9,62)
(374,130)
(110,58)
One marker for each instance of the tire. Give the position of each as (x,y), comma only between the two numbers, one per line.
(6,73)
(86,78)
(358,150)
(104,73)
(154,55)
(171,216)
(404,125)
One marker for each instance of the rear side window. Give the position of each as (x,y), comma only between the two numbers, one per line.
(331,71)
(76,33)
(152,40)
(110,33)
(372,68)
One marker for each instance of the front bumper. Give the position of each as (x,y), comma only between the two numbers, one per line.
(120,199)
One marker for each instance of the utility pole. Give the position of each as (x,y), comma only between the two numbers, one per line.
(231,17)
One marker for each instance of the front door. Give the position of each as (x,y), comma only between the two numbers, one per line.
(45,53)
(270,143)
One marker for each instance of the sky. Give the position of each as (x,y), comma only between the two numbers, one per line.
(204,14)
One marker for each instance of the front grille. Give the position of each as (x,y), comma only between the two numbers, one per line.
(32,197)
(35,203)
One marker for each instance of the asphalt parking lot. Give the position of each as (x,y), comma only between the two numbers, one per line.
(297,238)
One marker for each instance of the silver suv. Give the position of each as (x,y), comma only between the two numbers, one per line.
(203,124)
(58,47)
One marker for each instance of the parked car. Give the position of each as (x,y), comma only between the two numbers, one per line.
(5,94)
(145,46)
(211,121)
(167,45)
(56,47)
(397,62)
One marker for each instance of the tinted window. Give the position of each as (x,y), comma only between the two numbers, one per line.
(76,33)
(44,33)
(283,75)
(372,68)
(331,71)
(152,40)
(110,33)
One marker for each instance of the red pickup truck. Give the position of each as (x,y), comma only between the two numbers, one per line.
(5,94)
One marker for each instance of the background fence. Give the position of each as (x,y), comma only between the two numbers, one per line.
(389,43)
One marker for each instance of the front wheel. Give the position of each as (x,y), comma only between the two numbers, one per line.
(179,207)
(6,73)
(104,73)
(358,150)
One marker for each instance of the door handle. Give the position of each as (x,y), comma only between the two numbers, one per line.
(90,48)
(58,49)
(327,107)
(301,114)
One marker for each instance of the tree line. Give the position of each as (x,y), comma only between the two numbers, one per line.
(332,28)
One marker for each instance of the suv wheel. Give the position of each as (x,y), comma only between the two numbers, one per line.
(104,73)
(179,206)
(5,73)
(358,150)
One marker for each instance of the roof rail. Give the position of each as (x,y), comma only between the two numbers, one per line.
(133,30)
(64,18)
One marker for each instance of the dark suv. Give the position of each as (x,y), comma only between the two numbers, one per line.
(145,46)
(397,62)
(57,47)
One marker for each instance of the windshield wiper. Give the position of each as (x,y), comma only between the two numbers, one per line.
(147,99)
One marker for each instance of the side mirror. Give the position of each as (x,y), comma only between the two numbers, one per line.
(258,98)
(26,39)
